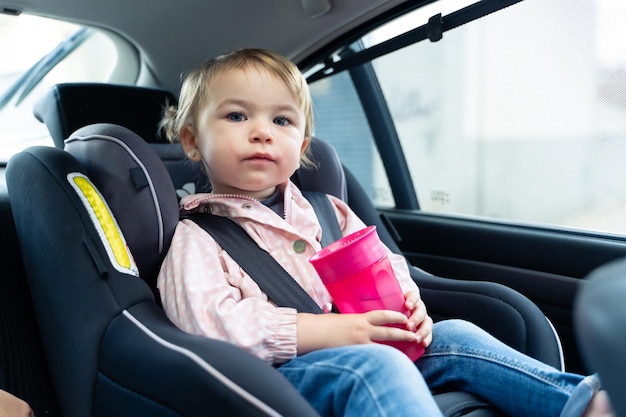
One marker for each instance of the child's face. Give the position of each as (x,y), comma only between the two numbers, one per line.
(250,133)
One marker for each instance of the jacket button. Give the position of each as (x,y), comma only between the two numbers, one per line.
(299,246)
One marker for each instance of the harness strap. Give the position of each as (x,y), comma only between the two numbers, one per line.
(325,215)
(279,286)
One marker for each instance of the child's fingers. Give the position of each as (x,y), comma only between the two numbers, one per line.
(396,334)
(412,299)
(418,315)
(424,333)
(383,317)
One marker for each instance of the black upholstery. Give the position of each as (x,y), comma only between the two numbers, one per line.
(333,181)
(70,106)
(140,194)
(600,322)
(67,107)
(520,323)
(23,367)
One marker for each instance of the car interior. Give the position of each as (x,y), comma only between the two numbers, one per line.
(525,326)
(86,221)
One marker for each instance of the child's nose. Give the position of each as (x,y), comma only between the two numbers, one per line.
(261,132)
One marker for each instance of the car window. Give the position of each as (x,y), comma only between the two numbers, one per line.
(80,55)
(517,116)
(341,121)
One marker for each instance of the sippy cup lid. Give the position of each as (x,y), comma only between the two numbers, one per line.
(349,255)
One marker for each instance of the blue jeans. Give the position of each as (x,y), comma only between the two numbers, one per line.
(378,380)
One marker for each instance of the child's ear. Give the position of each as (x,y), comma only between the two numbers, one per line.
(304,146)
(188,141)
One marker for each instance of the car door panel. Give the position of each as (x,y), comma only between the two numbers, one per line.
(546,265)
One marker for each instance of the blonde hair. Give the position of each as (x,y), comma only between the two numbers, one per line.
(196,88)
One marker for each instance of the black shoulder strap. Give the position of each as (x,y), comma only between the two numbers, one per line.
(325,215)
(279,286)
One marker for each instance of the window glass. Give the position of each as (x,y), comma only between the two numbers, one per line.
(518,116)
(340,121)
(27,39)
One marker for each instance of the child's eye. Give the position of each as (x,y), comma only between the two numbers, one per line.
(236,117)
(282,121)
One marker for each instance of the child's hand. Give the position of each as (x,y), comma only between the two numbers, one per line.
(11,406)
(318,331)
(419,320)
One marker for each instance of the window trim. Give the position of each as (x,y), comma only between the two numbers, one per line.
(433,30)
(385,136)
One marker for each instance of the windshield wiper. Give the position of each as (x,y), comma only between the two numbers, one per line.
(29,80)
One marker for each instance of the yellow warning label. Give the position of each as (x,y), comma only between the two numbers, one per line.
(105,223)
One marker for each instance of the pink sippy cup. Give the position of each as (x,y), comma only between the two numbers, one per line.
(359,277)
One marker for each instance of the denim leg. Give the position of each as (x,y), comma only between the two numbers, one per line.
(580,398)
(363,380)
(464,357)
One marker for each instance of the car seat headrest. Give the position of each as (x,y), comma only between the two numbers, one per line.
(69,106)
(135,184)
(327,175)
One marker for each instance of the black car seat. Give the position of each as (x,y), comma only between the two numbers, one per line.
(520,323)
(23,367)
(110,348)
